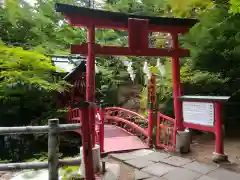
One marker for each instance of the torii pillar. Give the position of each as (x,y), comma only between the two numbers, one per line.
(90,78)
(176,84)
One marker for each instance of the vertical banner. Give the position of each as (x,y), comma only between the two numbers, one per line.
(152,91)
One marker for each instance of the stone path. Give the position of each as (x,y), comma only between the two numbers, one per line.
(150,165)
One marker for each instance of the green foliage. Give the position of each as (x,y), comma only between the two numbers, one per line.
(189,8)
(27,80)
(112,75)
(70,173)
(145,7)
(214,65)
(235,6)
(23,70)
(38,27)
(215,48)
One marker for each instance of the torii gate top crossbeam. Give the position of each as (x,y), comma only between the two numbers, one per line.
(80,16)
(138,28)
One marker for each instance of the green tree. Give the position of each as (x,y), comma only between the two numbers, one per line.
(26,76)
(235,6)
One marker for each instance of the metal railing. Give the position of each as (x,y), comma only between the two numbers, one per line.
(53,129)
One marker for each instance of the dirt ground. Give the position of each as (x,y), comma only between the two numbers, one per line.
(203,146)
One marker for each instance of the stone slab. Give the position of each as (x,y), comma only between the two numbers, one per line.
(131,155)
(200,167)
(139,162)
(222,174)
(181,173)
(155,178)
(204,177)
(156,156)
(176,161)
(141,175)
(158,169)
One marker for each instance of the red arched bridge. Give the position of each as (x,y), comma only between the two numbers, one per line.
(119,129)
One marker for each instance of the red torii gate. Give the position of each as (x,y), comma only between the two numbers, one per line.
(138,28)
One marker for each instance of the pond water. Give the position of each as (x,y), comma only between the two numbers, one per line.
(16,148)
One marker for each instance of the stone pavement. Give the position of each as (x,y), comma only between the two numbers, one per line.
(150,165)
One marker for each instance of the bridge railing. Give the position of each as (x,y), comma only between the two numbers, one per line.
(53,163)
(129,120)
(74,116)
(166,132)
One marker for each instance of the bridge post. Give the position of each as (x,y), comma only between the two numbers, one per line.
(102,118)
(176,83)
(219,154)
(90,78)
(87,141)
(150,124)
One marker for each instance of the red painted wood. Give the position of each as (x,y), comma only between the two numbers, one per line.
(90,78)
(152,90)
(218,129)
(117,139)
(150,126)
(199,127)
(125,51)
(176,83)
(168,125)
(87,144)
(102,119)
(131,124)
(138,28)
(165,117)
(83,21)
(112,138)
(125,110)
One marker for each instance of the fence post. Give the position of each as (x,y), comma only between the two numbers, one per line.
(53,149)
(150,124)
(102,114)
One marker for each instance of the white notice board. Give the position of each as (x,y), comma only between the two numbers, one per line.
(201,113)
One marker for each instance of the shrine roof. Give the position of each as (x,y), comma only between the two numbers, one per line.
(81,67)
(122,17)
(68,65)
